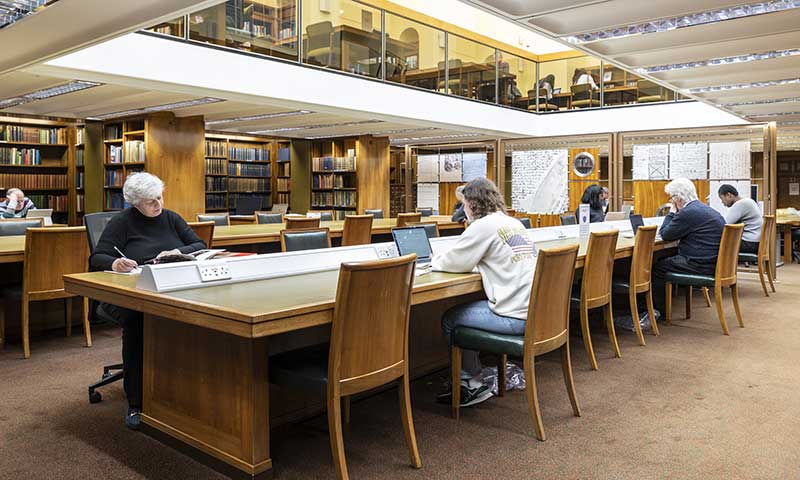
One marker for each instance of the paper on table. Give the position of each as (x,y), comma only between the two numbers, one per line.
(473,166)
(427,168)
(135,271)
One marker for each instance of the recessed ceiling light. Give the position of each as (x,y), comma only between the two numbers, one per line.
(156,108)
(312,127)
(721,61)
(761,102)
(48,92)
(737,86)
(259,117)
(777,114)
(694,19)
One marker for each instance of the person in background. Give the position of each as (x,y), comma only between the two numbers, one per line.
(139,234)
(582,77)
(698,229)
(742,210)
(547,83)
(16,204)
(458,212)
(604,197)
(499,246)
(593,195)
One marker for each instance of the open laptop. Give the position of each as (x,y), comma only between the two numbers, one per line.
(45,213)
(413,240)
(636,222)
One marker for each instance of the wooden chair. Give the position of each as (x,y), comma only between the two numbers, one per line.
(219,219)
(268,217)
(357,230)
(404,219)
(18,226)
(431,228)
(375,212)
(51,253)
(639,279)
(568,219)
(204,230)
(724,276)
(584,96)
(305,239)
(762,257)
(547,329)
(425,211)
(595,288)
(511,212)
(299,223)
(368,347)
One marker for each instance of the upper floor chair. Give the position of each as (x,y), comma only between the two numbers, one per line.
(322,45)
(583,96)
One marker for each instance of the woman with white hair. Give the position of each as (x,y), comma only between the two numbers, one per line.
(138,235)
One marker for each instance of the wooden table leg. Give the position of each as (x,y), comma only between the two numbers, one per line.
(787,244)
(208,390)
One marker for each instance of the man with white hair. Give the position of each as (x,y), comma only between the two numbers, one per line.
(697,227)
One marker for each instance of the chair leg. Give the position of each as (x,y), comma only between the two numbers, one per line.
(652,313)
(735,295)
(720,313)
(635,316)
(87,329)
(533,399)
(455,380)
(2,326)
(26,342)
(68,315)
(408,421)
(770,276)
(587,337)
(707,297)
(502,361)
(668,313)
(612,334)
(688,302)
(566,368)
(346,411)
(337,440)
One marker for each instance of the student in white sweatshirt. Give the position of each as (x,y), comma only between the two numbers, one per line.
(499,247)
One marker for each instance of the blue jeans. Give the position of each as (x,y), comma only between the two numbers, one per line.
(477,315)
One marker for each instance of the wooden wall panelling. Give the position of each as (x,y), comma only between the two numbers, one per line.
(93,161)
(578,184)
(301,176)
(788,172)
(447,197)
(648,195)
(372,179)
(175,151)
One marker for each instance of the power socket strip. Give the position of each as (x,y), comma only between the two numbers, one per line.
(214,272)
(386,251)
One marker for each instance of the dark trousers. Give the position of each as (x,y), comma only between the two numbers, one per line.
(132,349)
(675,264)
(748,247)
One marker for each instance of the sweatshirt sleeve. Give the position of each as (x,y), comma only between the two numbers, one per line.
(104,254)
(191,242)
(735,213)
(466,253)
(9,209)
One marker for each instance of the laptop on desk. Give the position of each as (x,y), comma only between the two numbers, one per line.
(636,222)
(45,213)
(414,240)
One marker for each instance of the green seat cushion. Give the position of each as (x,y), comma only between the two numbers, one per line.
(303,369)
(748,257)
(474,339)
(691,279)
(796,234)
(620,285)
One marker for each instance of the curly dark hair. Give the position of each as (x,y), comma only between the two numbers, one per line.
(483,198)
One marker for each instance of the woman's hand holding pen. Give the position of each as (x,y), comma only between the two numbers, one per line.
(123,264)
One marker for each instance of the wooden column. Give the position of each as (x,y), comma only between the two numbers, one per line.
(93,167)
(500,167)
(616,171)
(300,200)
(770,169)
(409,200)
(372,179)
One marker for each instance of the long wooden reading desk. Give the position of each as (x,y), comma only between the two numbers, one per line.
(12,249)
(206,349)
(787,223)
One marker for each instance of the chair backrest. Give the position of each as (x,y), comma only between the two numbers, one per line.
(204,230)
(376,213)
(642,260)
(767,237)
(511,212)
(425,211)
(267,217)
(648,88)
(369,336)
(18,226)
(95,224)
(298,223)
(279,208)
(548,308)
(357,230)
(663,210)
(404,219)
(728,258)
(305,239)
(248,205)
(431,228)
(583,87)
(326,217)
(598,268)
(568,219)
(51,253)
(319,35)
(525,221)
(219,219)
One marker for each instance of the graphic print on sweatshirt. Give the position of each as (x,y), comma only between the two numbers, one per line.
(517,239)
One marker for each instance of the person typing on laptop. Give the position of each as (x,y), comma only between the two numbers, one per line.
(499,247)
(16,204)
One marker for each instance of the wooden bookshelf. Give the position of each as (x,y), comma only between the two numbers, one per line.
(282,172)
(237,167)
(77,197)
(124,153)
(334,176)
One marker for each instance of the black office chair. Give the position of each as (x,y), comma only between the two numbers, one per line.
(95,224)
(431,228)
(269,218)
(426,211)
(326,217)
(219,219)
(568,219)
(376,213)
(18,227)
(296,240)
(526,222)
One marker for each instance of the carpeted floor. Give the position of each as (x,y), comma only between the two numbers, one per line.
(692,404)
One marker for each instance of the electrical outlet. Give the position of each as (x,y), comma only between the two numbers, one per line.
(386,251)
(214,272)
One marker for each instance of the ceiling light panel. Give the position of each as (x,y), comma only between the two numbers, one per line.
(762,102)
(312,127)
(738,86)
(156,108)
(776,114)
(721,61)
(45,93)
(264,116)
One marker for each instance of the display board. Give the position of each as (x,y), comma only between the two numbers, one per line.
(729,160)
(650,162)
(450,167)
(539,180)
(473,166)
(427,168)
(428,195)
(688,160)
(743,186)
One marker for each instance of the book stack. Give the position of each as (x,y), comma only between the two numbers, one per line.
(79,178)
(322,181)
(114,178)
(215,166)
(216,184)
(114,154)
(283,185)
(215,201)
(20,156)
(115,201)
(47,136)
(79,157)
(35,181)
(240,169)
(248,184)
(344,199)
(338,164)
(134,151)
(248,154)
(215,148)
(57,202)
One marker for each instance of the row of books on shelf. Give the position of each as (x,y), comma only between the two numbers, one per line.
(57,202)
(284,169)
(215,166)
(248,184)
(283,154)
(324,164)
(283,184)
(20,156)
(282,198)
(134,151)
(334,199)
(79,179)
(333,180)
(233,199)
(79,136)
(114,154)
(248,154)
(34,181)
(114,178)
(79,157)
(115,200)
(215,148)
(15,133)
(80,202)
(235,169)
(216,201)
(113,132)
(216,184)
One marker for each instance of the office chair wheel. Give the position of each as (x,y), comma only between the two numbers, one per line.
(95,397)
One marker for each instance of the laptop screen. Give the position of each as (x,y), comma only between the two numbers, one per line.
(412,240)
(636,222)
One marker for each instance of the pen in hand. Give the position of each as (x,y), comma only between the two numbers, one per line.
(122,255)
(125,263)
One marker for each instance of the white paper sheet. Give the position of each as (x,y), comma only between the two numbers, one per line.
(688,160)
(743,186)
(650,162)
(539,181)
(450,167)
(428,195)
(473,166)
(427,168)
(729,160)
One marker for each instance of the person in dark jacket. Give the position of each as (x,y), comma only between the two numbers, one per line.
(698,229)
(458,212)
(137,235)
(593,195)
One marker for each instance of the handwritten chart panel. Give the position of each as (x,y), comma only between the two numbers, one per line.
(650,162)
(729,160)
(688,160)
(473,166)
(428,195)
(427,168)
(539,181)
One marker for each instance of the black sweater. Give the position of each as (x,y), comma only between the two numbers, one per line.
(141,238)
(699,229)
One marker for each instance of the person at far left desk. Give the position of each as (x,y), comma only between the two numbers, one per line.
(16,204)
(135,236)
